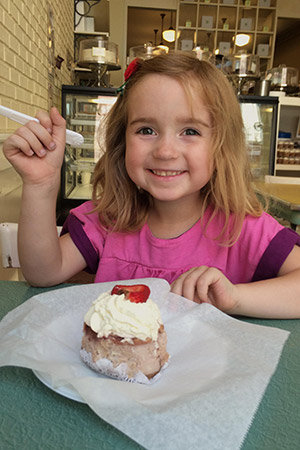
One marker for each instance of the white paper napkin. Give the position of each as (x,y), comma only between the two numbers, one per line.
(207,396)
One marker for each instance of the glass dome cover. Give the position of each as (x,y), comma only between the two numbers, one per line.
(241,64)
(283,77)
(146,51)
(98,50)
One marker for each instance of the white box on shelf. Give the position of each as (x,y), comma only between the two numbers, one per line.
(266,3)
(229,2)
(80,27)
(246,24)
(263,49)
(89,23)
(224,48)
(207,22)
(187,44)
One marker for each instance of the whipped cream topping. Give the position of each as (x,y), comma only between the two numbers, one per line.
(114,315)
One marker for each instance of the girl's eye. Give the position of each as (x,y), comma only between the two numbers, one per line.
(191,132)
(145,131)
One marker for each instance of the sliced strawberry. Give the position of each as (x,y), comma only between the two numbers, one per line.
(137,293)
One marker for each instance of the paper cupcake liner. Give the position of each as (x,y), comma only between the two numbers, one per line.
(105,367)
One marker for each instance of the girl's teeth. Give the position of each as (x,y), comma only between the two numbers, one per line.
(166,173)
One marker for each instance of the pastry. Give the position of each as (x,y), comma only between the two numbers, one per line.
(124,336)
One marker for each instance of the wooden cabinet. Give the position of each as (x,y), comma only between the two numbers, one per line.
(214,25)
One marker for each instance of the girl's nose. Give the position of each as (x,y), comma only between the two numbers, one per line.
(165,148)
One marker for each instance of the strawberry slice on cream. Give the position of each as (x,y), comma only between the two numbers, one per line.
(137,293)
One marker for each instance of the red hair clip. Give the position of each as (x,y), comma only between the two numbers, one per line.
(131,69)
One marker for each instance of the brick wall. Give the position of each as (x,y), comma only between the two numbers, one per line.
(27,81)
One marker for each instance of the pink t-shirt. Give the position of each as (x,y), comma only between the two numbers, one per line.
(258,254)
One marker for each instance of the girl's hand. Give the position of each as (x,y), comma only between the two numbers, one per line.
(207,285)
(36,149)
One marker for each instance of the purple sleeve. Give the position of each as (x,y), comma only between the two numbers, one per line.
(275,254)
(74,226)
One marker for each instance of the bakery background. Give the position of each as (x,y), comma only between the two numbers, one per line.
(40,55)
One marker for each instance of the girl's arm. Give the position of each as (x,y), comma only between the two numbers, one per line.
(36,151)
(45,259)
(278,297)
(274,298)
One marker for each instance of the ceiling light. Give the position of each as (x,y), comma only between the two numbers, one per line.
(169,35)
(242,39)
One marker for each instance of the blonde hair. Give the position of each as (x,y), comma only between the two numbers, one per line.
(119,202)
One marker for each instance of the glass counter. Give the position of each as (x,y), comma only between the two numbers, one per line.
(84,110)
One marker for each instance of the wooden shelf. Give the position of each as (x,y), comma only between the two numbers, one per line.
(288,167)
(92,33)
(261,16)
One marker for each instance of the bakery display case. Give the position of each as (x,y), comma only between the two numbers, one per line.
(84,109)
(260,122)
(287,162)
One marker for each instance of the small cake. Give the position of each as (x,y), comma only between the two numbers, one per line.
(123,335)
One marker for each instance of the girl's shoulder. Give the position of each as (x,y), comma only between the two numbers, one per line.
(86,213)
(84,217)
(264,221)
(265,229)
(85,207)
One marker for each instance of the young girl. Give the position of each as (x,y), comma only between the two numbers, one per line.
(172,197)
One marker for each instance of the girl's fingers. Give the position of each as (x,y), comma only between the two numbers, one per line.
(58,126)
(31,140)
(45,120)
(195,283)
(185,285)
(38,138)
(208,277)
(189,287)
(16,143)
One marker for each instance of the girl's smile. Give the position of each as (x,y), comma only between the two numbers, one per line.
(168,139)
(167,173)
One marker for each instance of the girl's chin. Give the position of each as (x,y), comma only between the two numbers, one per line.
(167,197)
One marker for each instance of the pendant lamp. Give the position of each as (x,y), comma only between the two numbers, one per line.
(169,35)
(161,45)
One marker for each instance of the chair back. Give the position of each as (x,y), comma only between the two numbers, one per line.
(9,244)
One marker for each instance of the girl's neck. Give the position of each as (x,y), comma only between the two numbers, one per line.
(168,220)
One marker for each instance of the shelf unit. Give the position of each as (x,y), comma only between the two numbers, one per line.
(287,157)
(203,23)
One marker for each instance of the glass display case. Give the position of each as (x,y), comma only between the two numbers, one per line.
(84,109)
(260,121)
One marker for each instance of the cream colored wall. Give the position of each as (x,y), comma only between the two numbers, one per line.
(25,84)
(118,26)
(288,8)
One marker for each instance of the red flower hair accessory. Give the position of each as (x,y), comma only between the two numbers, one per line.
(131,69)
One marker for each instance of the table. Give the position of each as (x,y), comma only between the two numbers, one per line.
(35,417)
(283,199)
